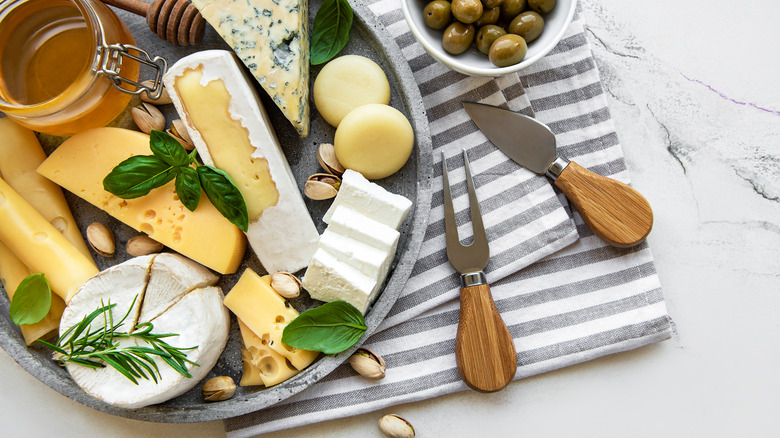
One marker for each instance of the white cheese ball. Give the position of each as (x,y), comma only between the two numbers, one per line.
(346,83)
(375,140)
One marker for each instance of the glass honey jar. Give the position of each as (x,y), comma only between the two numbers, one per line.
(68,65)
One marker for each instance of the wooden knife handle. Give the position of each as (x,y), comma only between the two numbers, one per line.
(615,212)
(484,349)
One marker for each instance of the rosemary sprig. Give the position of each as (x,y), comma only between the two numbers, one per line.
(82,345)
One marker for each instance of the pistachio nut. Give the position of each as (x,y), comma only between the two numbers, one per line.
(143,245)
(101,239)
(179,132)
(326,156)
(148,118)
(321,186)
(368,364)
(218,388)
(286,284)
(396,427)
(164,98)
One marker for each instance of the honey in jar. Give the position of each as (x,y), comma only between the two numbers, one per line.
(53,59)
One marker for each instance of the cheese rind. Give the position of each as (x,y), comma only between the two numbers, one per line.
(328,279)
(203,235)
(231,131)
(370,199)
(271,37)
(265,312)
(20,156)
(40,246)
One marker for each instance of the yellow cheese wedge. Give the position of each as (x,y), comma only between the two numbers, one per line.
(80,164)
(262,365)
(20,156)
(40,246)
(12,272)
(264,311)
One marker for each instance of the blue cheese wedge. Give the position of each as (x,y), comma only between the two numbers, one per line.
(370,199)
(328,279)
(271,37)
(231,130)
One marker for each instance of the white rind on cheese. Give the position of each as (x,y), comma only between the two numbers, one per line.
(370,199)
(370,261)
(348,222)
(328,279)
(284,237)
(271,37)
(172,276)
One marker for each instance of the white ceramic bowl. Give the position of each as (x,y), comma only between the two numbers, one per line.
(472,62)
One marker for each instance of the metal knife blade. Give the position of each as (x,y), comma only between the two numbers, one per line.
(521,138)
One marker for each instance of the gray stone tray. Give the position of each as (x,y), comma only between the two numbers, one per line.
(369,38)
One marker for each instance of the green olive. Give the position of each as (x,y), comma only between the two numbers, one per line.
(511,9)
(437,14)
(489,16)
(467,11)
(541,6)
(507,50)
(457,37)
(528,25)
(490,4)
(486,35)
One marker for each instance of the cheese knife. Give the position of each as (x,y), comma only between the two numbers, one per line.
(615,212)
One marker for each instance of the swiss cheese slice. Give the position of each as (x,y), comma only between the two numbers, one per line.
(262,365)
(266,313)
(40,246)
(204,235)
(232,132)
(271,37)
(20,156)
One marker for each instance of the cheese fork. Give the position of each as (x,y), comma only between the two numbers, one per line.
(484,349)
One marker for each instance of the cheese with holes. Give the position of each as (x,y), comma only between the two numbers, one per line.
(266,313)
(370,199)
(40,246)
(231,130)
(262,365)
(271,37)
(204,235)
(12,272)
(197,317)
(20,156)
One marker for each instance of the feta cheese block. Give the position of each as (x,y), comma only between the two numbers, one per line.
(370,199)
(198,319)
(329,279)
(271,37)
(266,313)
(232,132)
(79,165)
(348,222)
(371,262)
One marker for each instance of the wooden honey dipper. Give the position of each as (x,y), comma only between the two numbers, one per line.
(176,21)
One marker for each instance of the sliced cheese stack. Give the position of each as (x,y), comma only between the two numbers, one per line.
(272,39)
(204,235)
(138,287)
(262,315)
(232,132)
(355,252)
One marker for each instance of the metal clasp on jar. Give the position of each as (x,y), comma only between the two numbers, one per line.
(113,56)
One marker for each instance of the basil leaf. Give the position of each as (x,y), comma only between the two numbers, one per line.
(168,149)
(330,31)
(188,187)
(138,175)
(31,301)
(224,194)
(330,328)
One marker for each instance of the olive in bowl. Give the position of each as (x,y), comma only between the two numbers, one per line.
(472,61)
(438,14)
(507,50)
(528,25)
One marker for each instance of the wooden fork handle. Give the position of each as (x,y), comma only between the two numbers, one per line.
(484,349)
(615,212)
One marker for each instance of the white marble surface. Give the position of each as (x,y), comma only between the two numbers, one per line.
(693,87)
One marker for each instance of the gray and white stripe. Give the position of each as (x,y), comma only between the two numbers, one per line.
(563,302)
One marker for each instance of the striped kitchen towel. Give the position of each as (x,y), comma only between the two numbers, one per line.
(564,302)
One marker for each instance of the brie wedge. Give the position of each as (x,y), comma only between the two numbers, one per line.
(196,316)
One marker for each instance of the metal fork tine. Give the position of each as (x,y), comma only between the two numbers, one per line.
(450,225)
(480,243)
